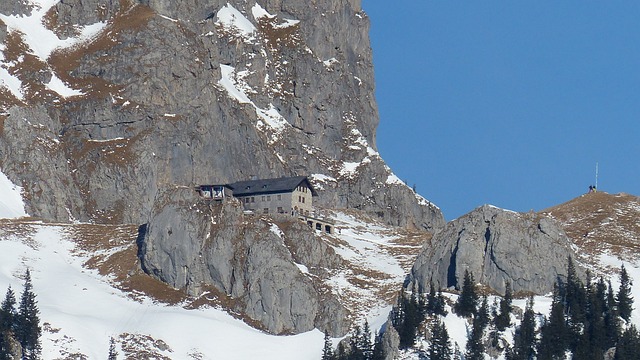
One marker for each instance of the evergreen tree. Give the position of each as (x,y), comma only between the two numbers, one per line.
(4,347)
(475,346)
(503,319)
(468,299)
(341,352)
(28,322)
(378,348)
(440,346)
(575,297)
(553,333)
(409,321)
(611,321)
(365,345)
(435,302)
(439,307)
(355,351)
(628,347)
(457,353)
(327,350)
(624,299)
(482,315)
(431,299)
(8,311)
(524,339)
(113,354)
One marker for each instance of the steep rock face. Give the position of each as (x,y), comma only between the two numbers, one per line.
(250,261)
(190,92)
(497,246)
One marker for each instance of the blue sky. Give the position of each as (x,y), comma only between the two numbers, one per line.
(508,103)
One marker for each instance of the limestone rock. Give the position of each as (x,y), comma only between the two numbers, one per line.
(390,342)
(497,246)
(155,113)
(259,266)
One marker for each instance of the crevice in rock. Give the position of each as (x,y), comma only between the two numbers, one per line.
(451,271)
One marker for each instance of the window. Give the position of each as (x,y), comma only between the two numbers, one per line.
(265,210)
(246,200)
(303,200)
(280,210)
(279,197)
(253,199)
(262,197)
(268,197)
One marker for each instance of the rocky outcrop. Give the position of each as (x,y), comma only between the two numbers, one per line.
(390,342)
(263,270)
(191,92)
(497,246)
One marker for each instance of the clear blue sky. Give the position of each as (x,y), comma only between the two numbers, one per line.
(508,103)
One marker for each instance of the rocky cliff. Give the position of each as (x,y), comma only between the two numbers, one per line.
(497,246)
(261,270)
(115,101)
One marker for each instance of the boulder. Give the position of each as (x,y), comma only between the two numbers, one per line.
(497,246)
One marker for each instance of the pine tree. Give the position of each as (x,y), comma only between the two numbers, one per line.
(365,345)
(524,339)
(553,333)
(475,345)
(628,348)
(468,299)
(440,303)
(503,319)
(431,299)
(575,296)
(411,320)
(611,320)
(440,346)
(341,352)
(28,322)
(355,351)
(327,350)
(624,299)
(113,354)
(378,348)
(8,311)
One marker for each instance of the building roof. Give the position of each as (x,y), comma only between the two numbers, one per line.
(270,186)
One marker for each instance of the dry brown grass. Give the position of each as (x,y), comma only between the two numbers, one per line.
(598,222)
(130,18)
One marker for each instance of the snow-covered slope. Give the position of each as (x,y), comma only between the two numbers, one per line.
(81,309)
(90,289)
(11,204)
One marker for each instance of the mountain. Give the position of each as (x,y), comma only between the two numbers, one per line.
(91,287)
(113,112)
(112,103)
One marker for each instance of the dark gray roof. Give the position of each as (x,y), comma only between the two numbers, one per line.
(270,186)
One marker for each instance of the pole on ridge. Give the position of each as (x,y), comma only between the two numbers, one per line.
(596,174)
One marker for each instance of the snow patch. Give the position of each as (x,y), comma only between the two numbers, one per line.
(233,20)
(328,63)
(319,180)
(259,12)
(41,40)
(85,310)
(269,117)
(11,203)
(276,230)
(61,88)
